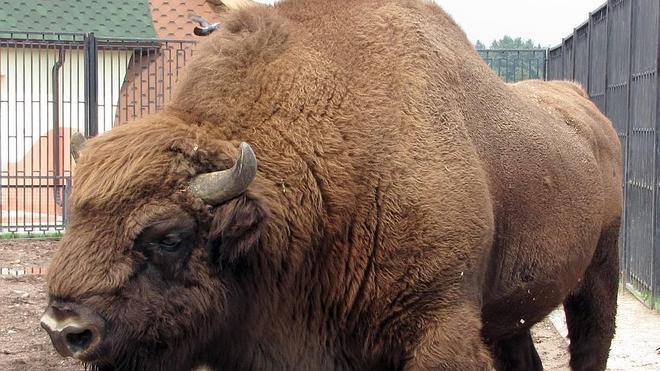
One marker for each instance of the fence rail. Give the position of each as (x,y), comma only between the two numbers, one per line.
(615,57)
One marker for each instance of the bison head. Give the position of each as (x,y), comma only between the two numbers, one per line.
(162,222)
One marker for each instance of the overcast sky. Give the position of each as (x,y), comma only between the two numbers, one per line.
(544,21)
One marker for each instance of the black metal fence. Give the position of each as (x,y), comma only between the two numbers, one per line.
(53,84)
(615,56)
(514,65)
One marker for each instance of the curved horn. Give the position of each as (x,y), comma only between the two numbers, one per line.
(77,142)
(220,186)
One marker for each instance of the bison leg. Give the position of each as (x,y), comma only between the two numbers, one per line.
(456,344)
(591,308)
(517,353)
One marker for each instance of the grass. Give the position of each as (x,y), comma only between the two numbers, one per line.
(31,235)
(643,295)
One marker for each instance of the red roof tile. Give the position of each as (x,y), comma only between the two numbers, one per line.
(172,17)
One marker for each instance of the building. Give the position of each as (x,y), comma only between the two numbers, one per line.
(48,88)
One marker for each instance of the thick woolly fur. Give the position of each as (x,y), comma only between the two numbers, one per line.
(411,210)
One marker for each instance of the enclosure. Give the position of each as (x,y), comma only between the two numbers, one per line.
(54,84)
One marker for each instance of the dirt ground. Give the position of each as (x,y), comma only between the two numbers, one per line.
(25,346)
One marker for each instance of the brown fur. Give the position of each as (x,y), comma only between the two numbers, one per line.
(411,211)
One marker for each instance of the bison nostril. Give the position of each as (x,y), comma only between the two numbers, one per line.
(75,330)
(78,342)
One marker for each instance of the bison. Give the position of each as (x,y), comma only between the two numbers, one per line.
(342,185)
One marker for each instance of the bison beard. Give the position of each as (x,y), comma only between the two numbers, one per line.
(410,210)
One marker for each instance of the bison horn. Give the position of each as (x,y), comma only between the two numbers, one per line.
(220,186)
(77,142)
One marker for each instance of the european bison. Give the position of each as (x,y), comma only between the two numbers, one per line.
(410,210)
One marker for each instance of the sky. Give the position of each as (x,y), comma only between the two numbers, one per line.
(544,21)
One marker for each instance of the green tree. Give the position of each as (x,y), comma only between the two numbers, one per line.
(508,42)
(479,45)
(514,59)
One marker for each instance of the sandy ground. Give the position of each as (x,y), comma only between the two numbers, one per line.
(636,344)
(25,346)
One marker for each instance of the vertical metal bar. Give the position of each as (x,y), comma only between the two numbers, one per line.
(32,135)
(150,59)
(78,92)
(607,51)
(41,126)
(130,84)
(169,73)
(510,64)
(1,105)
(563,55)
(102,87)
(545,64)
(91,86)
(575,37)
(49,112)
(23,137)
(628,142)
(589,30)
(65,201)
(56,125)
(161,76)
(15,134)
(516,64)
(655,284)
(141,91)
(111,116)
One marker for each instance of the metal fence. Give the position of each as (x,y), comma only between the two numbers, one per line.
(615,57)
(514,65)
(52,85)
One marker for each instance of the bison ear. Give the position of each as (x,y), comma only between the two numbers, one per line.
(236,229)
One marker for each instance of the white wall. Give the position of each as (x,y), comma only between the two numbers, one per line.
(26,99)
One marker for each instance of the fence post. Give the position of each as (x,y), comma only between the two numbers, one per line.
(65,200)
(56,83)
(91,85)
(626,172)
(575,37)
(607,52)
(655,282)
(588,88)
(563,50)
(545,64)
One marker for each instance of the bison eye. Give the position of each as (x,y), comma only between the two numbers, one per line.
(170,242)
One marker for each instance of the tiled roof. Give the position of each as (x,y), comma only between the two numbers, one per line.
(106,18)
(172,17)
